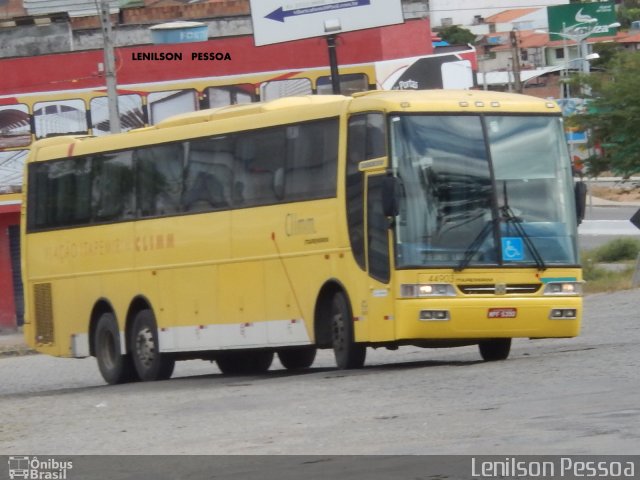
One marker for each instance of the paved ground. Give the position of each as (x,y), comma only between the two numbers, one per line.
(553,396)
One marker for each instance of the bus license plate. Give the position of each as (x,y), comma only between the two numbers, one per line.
(502,313)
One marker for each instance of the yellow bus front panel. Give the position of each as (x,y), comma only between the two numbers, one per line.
(487,318)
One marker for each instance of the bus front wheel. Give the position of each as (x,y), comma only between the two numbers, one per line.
(297,358)
(149,362)
(348,353)
(495,349)
(114,367)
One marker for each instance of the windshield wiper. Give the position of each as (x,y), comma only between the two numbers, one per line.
(509,217)
(474,246)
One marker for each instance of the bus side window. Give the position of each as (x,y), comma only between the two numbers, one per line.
(63,194)
(112,187)
(230,95)
(262,154)
(290,87)
(159,180)
(312,156)
(210,182)
(163,105)
(258,184)
(375,145)
(349,83)
(60,117)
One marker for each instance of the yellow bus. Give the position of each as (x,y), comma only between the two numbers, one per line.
(428,218)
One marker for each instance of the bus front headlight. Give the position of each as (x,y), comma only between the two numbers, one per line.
(563,288)
(421,290)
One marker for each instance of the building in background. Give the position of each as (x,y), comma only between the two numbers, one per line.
(541,56)
(475,12)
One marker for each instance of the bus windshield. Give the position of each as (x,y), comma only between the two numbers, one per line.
(483,191)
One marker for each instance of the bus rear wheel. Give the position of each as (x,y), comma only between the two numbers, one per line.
(149,362)
(348,353)
(244,363)
(297,358)
(114,367)
(495,349)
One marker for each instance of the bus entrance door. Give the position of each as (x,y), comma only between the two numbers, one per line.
(380,301)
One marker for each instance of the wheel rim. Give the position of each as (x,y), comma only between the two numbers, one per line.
(338,331)
(145,347)
(108,350)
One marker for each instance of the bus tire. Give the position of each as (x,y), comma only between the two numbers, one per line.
(260,361)
(144,346)
(114,367)
(229,363)
(297,358)
(244,363)
(495,349)
(348,353)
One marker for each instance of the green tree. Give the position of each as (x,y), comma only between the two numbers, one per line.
(607,51)
(614,116)
(628,12)
(456,35)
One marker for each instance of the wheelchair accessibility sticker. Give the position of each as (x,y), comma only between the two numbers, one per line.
(512,249)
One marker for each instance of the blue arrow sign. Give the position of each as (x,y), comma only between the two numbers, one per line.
(280,14)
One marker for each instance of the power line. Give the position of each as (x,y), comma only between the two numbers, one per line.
(503,7)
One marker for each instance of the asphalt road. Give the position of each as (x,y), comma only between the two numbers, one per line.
(605,223)
(622,212)
(566,396)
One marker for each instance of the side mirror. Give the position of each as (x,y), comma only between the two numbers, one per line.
(390,191)
(580,190)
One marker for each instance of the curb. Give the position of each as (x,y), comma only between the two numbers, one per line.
(15,351)
(603,202)
(12,344)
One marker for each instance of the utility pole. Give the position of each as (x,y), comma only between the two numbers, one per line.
(110,67)
(331,27)
(483,71)
(515,54)
(566,89)
(333,64)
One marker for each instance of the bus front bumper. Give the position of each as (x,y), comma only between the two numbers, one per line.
(496,317)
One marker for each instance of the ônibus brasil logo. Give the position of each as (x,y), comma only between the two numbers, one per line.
(33,468)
